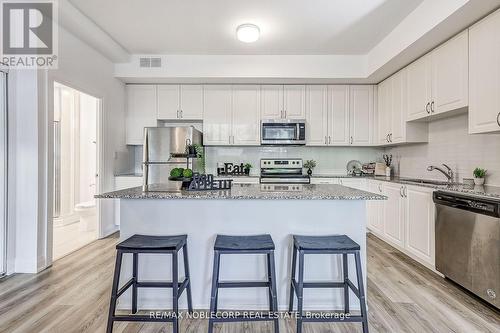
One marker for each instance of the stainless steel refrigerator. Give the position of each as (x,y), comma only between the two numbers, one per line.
(165,148)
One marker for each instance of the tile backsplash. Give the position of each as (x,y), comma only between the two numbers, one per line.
(330,160)
(450,143)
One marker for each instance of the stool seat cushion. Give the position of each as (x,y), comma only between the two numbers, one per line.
(325,243)
(244,243)
(145,242)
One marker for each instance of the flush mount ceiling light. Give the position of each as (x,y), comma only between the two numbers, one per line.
(248,33)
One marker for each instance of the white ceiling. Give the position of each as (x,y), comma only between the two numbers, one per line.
(208,26)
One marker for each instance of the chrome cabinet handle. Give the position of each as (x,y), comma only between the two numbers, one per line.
(181,113)
(281,114)
(387,138)
(326,140)
(427,108)
(329,139)
(177,114)
(390,137)
(498,118)
(380,188)
(432,107)
(285,114)
(401,191)
(351,140)
(405,192)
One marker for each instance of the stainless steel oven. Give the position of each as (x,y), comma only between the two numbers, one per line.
(282,171)
(283,132)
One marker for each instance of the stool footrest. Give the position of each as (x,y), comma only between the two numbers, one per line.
(142,318)
(319,284)
(243,284)
(160,284)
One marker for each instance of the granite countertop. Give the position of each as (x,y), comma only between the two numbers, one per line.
(249,192)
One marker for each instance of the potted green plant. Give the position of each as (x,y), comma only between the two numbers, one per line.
(479,175)
(309,165)
(247,167)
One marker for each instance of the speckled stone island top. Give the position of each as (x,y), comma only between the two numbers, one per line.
(249,192)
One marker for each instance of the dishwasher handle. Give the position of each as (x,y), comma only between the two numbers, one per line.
(471,204)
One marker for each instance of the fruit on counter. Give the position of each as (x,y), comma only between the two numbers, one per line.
(187,173)
(176,172)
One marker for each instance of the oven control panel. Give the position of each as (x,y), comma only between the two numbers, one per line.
(293,163)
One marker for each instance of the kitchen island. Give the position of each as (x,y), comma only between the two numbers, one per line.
(243,210)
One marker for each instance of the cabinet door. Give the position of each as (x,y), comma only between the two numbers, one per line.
(384,111)
(376,209)
(394,214)
(168,101)
(191,102)
(338,115)
(359,184)
(316,115)
(398,109)
(420,213)
(217,115)
(141,112)
(361,115)
(450,77)
(484,75)
(419,88)
(246,115)
(272,102)
(294,101)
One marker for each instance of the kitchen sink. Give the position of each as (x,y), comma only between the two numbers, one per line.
(424,181)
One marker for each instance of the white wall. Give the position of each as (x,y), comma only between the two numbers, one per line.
(31,104)
(330,160)
(450,143)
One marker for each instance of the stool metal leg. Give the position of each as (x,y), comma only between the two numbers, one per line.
(175,290)
(362,298)
(292,290)
(134,285)
(274,297)
(300,292)
(114,291)
(213,296)
(346,286)
(188,276)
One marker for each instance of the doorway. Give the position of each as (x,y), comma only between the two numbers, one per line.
(75,128)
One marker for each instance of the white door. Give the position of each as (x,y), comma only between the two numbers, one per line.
(316,115)
(361,115)
(246,115)
(450,75)
(168,101)
(384,116)
(338,115)
(3,171)
(420,214)
(141,111)
(398,108)
(272,101)
(191,101)
(394,214)
(376,209)
(294,101)
(419,88)
(484,75)
(217,115)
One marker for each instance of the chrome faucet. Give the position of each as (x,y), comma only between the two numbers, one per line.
(448,173)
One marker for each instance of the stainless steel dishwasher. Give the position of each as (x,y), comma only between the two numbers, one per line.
(468,243)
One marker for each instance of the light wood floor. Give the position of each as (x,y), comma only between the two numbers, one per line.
(73,296)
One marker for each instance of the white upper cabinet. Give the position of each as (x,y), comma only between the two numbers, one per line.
(397,133)
(180,102)
(294,101)
(361,122)
(338,115)
(140,112)
(191,102)
(316,115)
(245,129)
(217,115)
(484,75)
(272,102)
(438,81)
(168,101)
(450,65)
(419,88)
(384,111)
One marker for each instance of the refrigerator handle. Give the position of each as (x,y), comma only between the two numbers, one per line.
(145,158)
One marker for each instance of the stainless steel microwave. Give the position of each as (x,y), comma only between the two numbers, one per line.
(283,132)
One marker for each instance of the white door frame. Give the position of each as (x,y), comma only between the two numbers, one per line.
(50,160)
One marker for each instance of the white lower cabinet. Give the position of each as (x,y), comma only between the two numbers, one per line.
(405,220)
(359,184)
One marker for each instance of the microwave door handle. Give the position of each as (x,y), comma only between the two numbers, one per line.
(297,134)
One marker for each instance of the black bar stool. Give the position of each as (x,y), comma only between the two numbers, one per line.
(340,244)
(150,244)
(261,244)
